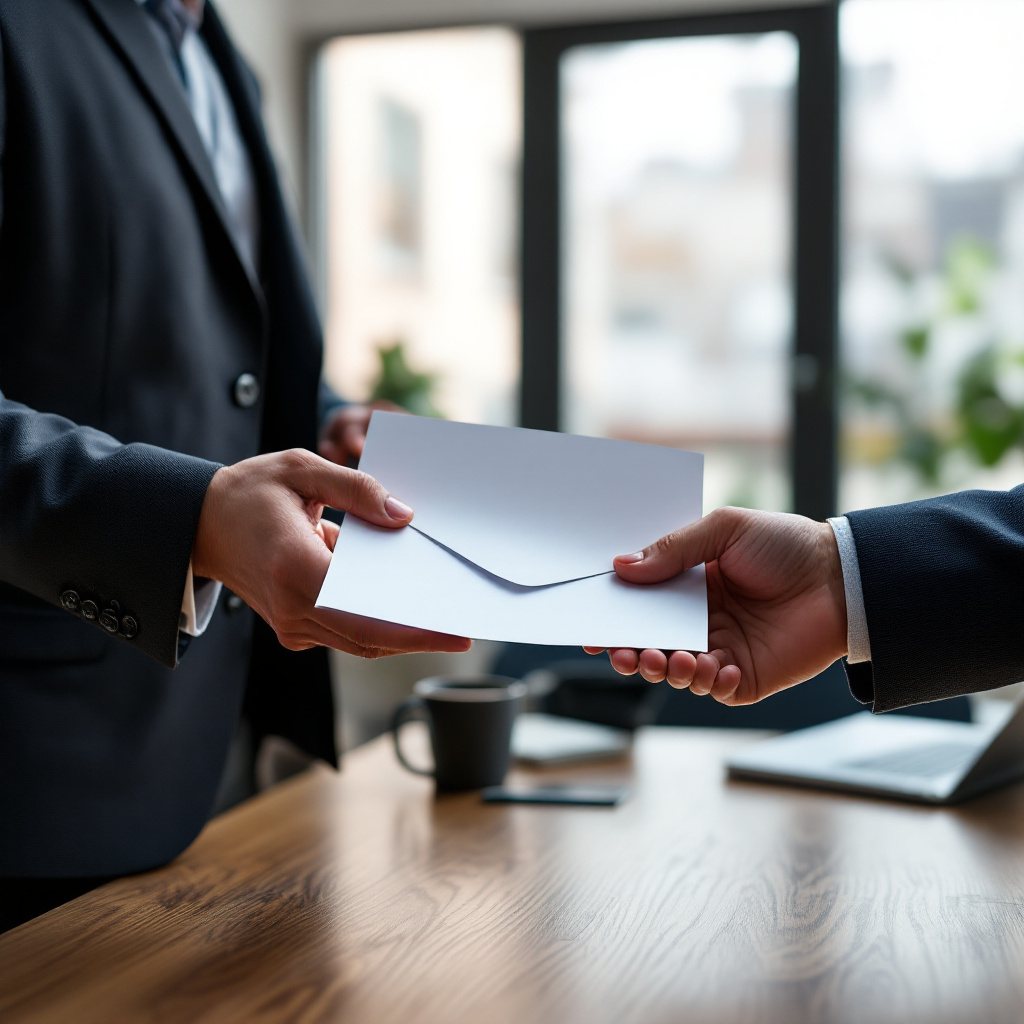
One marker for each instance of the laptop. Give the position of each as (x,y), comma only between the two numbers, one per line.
(926,760)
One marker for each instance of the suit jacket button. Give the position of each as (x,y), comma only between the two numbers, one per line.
(129,627)
(234,604)
(246,391)
(90,610)
(108,620)
(70,600)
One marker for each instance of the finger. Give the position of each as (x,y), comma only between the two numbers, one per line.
(378,635)
(297,643)
(595,650)
(681,666)
(317,479)
(702,541)
(653,665)
(329,532)
(328,449)
(354,438)
(704,674)
(309,634)
(727,682)
(624,660)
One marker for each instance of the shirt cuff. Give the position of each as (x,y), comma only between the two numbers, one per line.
(857,640)
(197,604)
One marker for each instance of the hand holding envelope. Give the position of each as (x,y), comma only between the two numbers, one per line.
(514,536)
(776,604)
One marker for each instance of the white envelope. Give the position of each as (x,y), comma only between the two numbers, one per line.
(514,535)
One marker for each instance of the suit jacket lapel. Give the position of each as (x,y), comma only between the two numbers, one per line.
(133,38)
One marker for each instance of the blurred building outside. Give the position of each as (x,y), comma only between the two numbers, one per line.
(677,226)
(421,148)
(933,248)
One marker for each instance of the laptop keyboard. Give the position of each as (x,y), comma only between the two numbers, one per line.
(922,762)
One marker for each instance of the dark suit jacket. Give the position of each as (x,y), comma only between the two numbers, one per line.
(943,585)
(126,315)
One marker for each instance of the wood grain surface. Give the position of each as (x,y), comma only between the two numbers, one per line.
(359,897)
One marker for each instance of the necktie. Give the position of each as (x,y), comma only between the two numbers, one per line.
(214,117)
(175,19)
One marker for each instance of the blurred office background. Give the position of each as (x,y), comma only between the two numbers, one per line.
(790,238)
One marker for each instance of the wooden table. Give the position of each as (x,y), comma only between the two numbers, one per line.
(359,897)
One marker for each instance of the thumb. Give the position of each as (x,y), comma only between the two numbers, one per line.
(702,541)
(349,490)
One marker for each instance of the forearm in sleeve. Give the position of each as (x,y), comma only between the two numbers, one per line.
(943,590)
(84,518)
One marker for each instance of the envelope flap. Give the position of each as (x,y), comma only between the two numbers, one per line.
(530,506)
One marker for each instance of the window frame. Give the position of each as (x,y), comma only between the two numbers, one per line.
(814,436)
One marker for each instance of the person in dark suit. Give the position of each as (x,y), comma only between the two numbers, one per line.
(157,334)
(923,601)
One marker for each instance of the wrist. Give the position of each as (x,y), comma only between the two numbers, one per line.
(832,568)
(205,546)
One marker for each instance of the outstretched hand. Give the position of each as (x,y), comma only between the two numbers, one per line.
(261,534)
(776,604)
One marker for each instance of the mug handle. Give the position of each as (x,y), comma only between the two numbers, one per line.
(409,710)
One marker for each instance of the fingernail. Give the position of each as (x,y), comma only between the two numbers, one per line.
(637,556)
(397,509)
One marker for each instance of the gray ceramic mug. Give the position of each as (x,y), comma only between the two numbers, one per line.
(470,721)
